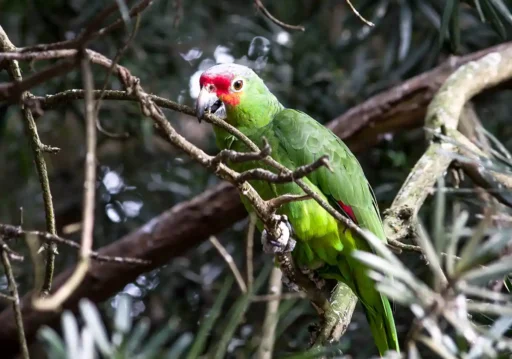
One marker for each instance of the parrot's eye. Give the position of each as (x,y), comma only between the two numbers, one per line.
(237,85)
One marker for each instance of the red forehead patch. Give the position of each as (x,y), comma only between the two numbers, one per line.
(221,82)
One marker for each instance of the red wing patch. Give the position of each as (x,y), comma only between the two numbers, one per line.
(348,210)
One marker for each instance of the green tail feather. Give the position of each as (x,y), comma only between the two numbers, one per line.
(376,306)
(383,327)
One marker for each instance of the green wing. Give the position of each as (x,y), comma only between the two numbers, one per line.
(305,140)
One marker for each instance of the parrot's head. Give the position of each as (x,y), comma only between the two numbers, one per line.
(234,92)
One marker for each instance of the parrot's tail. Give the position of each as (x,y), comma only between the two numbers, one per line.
(376,306)
(382,326)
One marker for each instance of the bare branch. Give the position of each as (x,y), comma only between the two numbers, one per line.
(267,13)
(37,149)
(15,299)
(282,296)
(443,118)
(230,262)
(275,286)
(56,300)
(275,203)
(10,232)
(354,10)
(249,250)
(299,172)
(338,316)
(92,31)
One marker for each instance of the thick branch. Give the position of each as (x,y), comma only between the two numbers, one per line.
(400,107)
(443,117)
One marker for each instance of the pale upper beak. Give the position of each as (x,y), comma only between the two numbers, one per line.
(207,102)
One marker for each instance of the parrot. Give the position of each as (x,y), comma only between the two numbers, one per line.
(236,93)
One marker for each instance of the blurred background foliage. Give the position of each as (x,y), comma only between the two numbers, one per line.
(335,64)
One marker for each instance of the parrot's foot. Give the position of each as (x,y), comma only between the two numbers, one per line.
(314,277)
(293,287)
(284,243)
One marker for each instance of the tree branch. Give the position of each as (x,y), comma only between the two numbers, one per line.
(443,117)
(399,107)
(89,201)
(275,286)
(267,13)
(37,149)
(13,289)
(11,232)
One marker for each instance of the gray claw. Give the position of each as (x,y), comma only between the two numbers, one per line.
(284,243)
(289,284)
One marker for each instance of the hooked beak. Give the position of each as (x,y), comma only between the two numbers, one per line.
(207,102)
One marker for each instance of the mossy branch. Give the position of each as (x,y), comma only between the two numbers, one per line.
(442,119)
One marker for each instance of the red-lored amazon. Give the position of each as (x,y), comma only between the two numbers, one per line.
(296,140)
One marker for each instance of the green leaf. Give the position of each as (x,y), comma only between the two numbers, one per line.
(405,30)
(380,264)
(455,27)
(479,9)
(451,249)
(158,340)
(500,327)
(495,271)
(503,9)
(469,250)
(449,7)
(209,320)
(180,346)
(138,335)
(71,334)
(491,14)
(123,317)
(380,248)
(55,344)
(93,321)
(88,351)
(235,316)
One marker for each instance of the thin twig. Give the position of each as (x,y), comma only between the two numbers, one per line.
(92,31)
(275,203)
(116,59)
(299,172)
(282,296)
(76,278)
(37,148)
(267,13)
(249,250)
(369,23)
(12,232)
(275,286)
(230,262)
(15,300)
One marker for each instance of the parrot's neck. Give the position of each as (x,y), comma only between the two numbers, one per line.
(249,117)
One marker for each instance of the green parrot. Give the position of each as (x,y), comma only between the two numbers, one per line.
(236,93)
